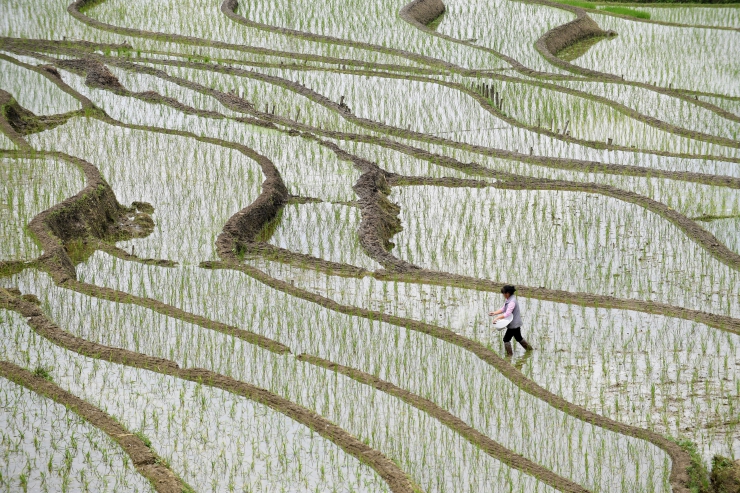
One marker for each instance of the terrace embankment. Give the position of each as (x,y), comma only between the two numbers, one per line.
(12,267)
(77,10)
(93,212)
(489,446)
(258,215)
(241,231)
(725,477)
(397,480)
(380,217)
(25,122)
(146,462)
(680,458)
(561,37)
(93,216)
(238,104)
(422,11)
(380,224)
(229,9)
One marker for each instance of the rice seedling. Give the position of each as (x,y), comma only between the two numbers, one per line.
(626,11)
(650,50)
(579,3)
(249,133)
(714,15)
(30,186)
(47,447)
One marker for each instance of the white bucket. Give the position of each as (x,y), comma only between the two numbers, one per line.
(503,322)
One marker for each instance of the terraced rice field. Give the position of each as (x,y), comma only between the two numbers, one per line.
(253,246)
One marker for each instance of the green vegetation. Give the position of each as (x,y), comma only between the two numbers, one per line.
(577,50)
(725,476)
(436,22)
(43,372)
(698,473)
(578,3)
(416,170)
(145,439)
(625,11)
(682,2)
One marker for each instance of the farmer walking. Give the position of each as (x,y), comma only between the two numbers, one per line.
(514,329)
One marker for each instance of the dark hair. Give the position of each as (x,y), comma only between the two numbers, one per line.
(508,289)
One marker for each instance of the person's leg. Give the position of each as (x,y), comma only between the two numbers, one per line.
(521,340)
(507,342)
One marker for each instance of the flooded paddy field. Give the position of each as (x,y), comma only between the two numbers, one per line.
(256,246)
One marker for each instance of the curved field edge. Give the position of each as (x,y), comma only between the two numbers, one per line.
(725,323)
(554,41)
(146,462)
(689,227)
(264,118)
(93,208)
(238,225)
(228,243)
(254,215)
(475,437)
(422,8)
(397,480)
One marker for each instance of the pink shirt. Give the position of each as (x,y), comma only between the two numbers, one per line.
(509,306)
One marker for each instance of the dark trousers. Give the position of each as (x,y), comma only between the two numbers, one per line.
(515,333)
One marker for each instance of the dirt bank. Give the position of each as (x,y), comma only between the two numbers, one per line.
(489,446)
(93,212)
(396,479)
(144,459)
(380,217)
(422,11)
(229,7)
(240,105)
(680,458)
(563,36)
(24,122)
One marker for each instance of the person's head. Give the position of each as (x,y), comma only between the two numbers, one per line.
(508,290)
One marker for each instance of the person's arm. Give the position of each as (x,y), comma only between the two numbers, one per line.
(509,310)
(500,310)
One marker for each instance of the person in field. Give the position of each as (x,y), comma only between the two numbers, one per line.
(514,329)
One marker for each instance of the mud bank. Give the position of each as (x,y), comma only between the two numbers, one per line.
(680,458)
(561,37)
(242,229)
(146,462)
(229,8)
(422,11)
(489,446)
(380,217)
(237,104)
(93,212)
(25,122)
(396,479)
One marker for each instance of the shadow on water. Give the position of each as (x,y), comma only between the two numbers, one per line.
(521,361)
